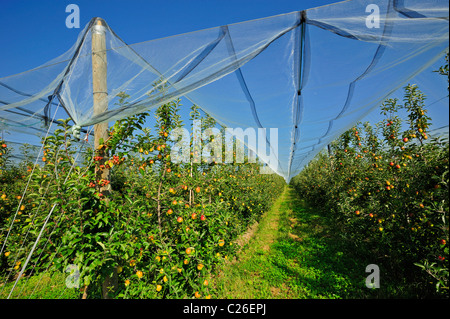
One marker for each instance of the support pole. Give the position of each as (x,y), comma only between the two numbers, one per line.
(100,94)
(100,99)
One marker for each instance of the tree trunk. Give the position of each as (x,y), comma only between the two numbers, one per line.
(110,284)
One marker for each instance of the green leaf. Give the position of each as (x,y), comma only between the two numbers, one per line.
(87,280)
(419,265)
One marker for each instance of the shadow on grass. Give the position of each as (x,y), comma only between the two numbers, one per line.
(315,263)
(307,259)
(43,286)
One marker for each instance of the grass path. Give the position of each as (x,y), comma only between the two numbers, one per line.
(292,253)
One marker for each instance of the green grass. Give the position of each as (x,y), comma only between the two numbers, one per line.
(42,286)
(295,253)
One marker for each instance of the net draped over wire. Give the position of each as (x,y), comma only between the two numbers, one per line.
(311,74)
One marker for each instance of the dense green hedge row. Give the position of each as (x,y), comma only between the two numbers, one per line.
(158,232)
(386,188)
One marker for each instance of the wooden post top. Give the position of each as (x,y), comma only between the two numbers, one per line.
(99,21)
(99,26)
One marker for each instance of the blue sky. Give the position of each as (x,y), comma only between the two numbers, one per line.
(33,32)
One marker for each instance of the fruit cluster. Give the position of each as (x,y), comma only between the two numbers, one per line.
(388,190)
(162,228)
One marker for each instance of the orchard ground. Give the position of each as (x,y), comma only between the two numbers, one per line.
(295,252)
(292,252)
(138,226)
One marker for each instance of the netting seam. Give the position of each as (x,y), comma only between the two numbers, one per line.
(399,6)
(299,60)
(57,90)
(244,86)
(206,51)
(377,56)
(147,103)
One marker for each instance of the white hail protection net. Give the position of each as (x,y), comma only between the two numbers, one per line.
(311,74)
